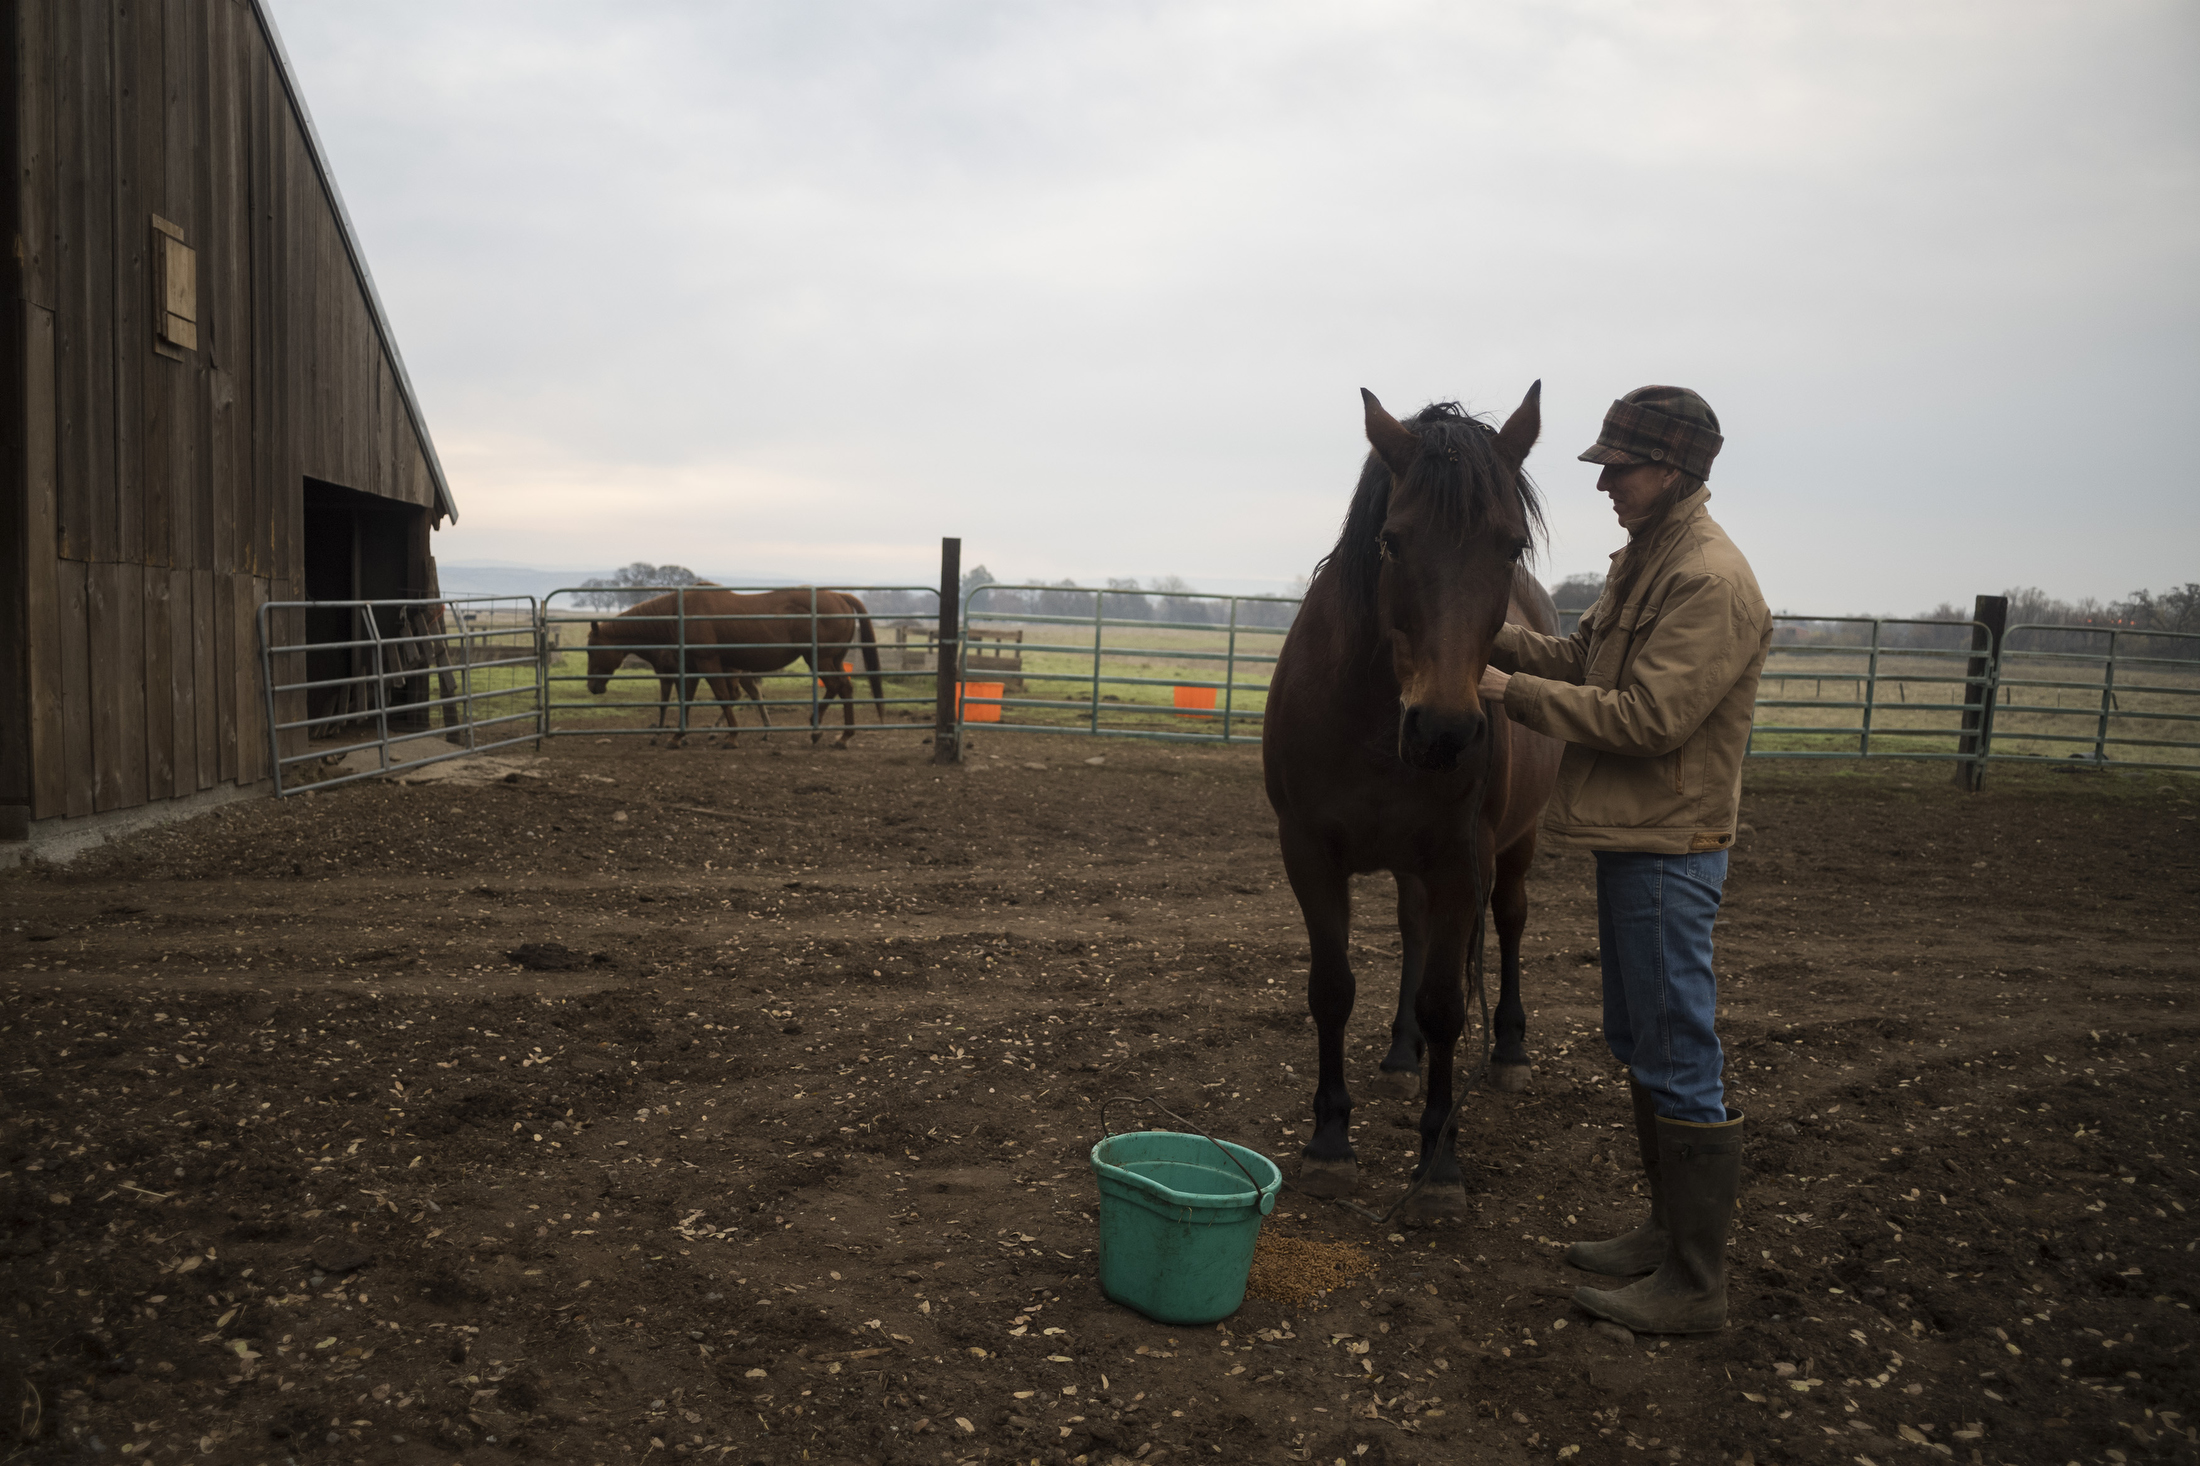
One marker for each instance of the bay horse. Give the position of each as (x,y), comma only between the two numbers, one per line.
(735,634)
(1379,754)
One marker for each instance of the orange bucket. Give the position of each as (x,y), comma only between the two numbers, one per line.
(985,701)
(844,667)
(1195,702)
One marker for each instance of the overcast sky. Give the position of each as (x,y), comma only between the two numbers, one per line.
(793,289)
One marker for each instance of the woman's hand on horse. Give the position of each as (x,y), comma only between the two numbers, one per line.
(1493,684)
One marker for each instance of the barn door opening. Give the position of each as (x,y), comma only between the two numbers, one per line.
(358,547)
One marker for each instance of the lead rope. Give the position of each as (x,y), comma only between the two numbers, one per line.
(1475,975)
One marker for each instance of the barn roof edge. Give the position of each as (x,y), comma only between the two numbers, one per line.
(446,507)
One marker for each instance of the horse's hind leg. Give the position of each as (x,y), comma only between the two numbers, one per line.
(754,690)
(843,688)
(1509,1069)
(1329,1167)
(1400,1074)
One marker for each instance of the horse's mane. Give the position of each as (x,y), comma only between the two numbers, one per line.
(1458,467)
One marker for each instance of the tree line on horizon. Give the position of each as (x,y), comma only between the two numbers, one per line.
(1171,598)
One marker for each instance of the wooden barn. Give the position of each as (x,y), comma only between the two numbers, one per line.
(202,408)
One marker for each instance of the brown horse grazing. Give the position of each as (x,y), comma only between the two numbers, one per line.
(1380,755)
(735,634)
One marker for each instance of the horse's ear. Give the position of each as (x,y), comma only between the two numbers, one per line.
(1392,442)
(1521,430)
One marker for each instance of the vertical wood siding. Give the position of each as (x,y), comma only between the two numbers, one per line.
(165,495)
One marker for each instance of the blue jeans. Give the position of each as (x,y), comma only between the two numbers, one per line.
(1654,915)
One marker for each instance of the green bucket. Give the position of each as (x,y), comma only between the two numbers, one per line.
(1178,1222)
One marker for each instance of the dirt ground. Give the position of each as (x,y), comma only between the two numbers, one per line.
(778,1152)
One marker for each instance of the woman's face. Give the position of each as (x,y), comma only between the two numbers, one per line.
(1635,488)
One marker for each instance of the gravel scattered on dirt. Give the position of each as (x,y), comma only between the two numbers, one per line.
(297,1164)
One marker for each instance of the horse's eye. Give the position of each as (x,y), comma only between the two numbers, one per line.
(1519,552)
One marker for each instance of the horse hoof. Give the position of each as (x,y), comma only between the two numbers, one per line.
(1511,1078)
(1436,1203)
(1328,1178)
(1402,1084)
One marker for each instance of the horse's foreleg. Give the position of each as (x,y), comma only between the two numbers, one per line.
(1400,1074)
(1441,1010)
(1324,894)
(756,695)
(1509,1068)
(667,689)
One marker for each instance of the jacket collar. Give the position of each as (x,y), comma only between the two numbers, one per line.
(1676,520)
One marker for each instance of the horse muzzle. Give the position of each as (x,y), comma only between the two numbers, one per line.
(596,685)
(1436,741)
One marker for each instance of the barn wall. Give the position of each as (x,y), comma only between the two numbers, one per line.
(156,501)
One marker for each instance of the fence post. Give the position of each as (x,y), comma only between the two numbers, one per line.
(946,742)
(1977,742)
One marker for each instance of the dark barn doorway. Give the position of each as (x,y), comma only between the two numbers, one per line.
(358,547)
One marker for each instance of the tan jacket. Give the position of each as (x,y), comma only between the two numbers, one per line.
(1653,698)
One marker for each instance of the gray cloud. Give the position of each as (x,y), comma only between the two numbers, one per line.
(794,289)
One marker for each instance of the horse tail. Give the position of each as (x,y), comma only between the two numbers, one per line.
(870,653)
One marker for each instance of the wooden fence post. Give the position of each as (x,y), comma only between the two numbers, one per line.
(946,747)
(1992,612)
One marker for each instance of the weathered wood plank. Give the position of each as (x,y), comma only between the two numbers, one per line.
(84,252)
(117,616)
(42,639)
(183,120)
(182,688)
(154,588)
(205,694)
(225,676)
(230,150)
(140,172)
(290,707)
(15,697)
(36,101)
(79,753)
(252,750)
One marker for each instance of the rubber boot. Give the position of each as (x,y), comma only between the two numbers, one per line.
(1640,1251)
(1701,1168)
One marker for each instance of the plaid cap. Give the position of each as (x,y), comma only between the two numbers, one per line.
(1669,425)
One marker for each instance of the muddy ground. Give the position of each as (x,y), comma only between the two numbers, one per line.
(789,1163)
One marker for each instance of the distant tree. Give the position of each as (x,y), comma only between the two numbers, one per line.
(1578,592)
(609,592)
(1179,600)
(976,576)
(2176,609)
(1125,600)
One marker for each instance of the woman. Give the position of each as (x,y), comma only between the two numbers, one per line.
(1652,696)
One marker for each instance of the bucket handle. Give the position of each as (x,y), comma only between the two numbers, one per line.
(1164,1109)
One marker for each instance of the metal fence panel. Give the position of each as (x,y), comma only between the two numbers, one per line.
(2083,692)
(389,671)
(700,639)
(1899,688)
(1212,655)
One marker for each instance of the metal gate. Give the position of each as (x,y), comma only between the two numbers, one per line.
(2078,692)
(347,677)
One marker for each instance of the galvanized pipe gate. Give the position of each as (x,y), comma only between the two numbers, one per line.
(1184,667)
